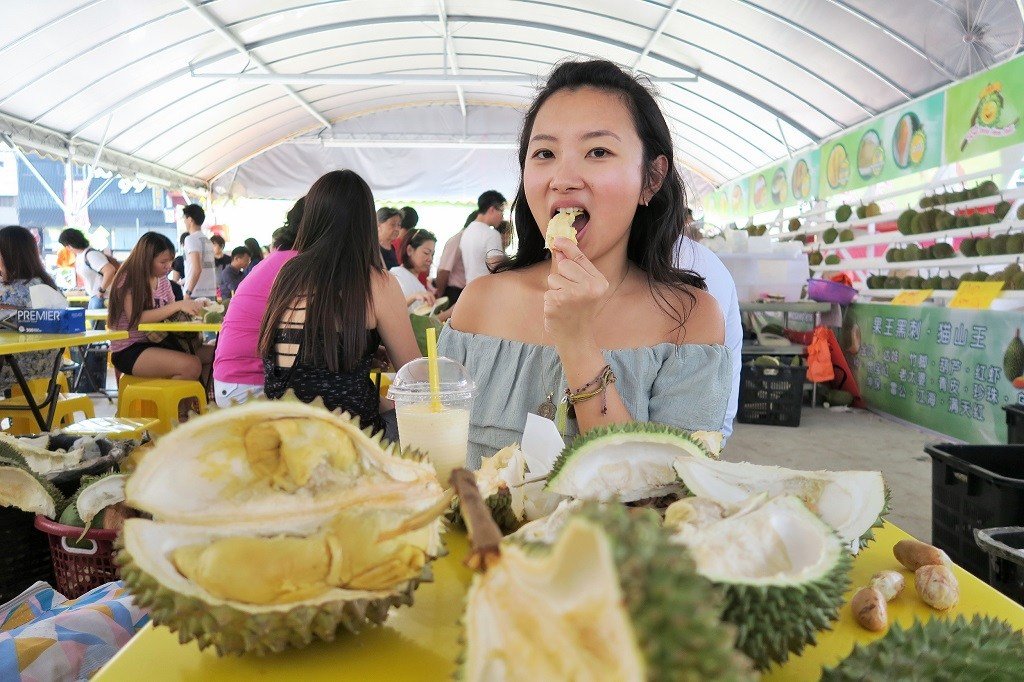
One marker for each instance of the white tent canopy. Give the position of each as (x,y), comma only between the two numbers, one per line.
(183,92)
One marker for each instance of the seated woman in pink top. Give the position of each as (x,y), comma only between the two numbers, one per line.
(141,293)
(238,367)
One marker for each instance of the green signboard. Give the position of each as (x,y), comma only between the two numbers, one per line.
(983,112)
(904,141)
(786,184)
(940,368)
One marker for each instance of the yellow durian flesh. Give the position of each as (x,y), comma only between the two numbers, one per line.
(277,460)
(558,616)
(286,452)
(560,225)
(279,570)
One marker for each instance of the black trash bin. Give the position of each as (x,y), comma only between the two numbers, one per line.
(974,486)
(1014,424)
(1005,549)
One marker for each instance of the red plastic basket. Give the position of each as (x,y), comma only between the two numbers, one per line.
(78,570)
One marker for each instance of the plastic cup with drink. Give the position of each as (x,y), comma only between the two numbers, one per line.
(433,406)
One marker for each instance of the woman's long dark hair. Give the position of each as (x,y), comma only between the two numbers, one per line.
(656,227)
(338,255)
(133,278)
(255,250)
(20,254)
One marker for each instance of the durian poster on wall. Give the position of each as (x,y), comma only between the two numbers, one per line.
(945,369)
(904,141)
(983,112)
(786,184)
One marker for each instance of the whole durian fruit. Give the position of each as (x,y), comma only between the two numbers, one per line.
(784,572)
(276,523)
(941,650)
(610,599)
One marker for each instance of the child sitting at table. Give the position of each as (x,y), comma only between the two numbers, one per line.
(141,293)
(21,268)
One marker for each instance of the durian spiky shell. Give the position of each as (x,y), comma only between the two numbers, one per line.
(639,432)
(85,484)
(59,501)
(674,611)
(673,608)
(869,534)
(499,505)
(234,631)
(941,650)
(774,621)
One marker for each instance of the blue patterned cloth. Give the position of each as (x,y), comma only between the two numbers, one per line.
(44,636)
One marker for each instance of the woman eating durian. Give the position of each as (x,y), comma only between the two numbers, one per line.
(603,323)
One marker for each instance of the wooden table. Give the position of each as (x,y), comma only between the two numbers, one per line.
(422,642)
(12,343)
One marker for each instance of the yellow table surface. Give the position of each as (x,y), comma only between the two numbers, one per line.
(77,298)
(12,342)
(96,314)
(420,643)
(180,327)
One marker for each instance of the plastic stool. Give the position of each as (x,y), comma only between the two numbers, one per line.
(141,397)
(23,423)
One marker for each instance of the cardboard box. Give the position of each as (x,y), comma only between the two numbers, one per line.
(47,320)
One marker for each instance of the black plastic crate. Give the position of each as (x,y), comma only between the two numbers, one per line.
(771,395)
(1005,549)
(1014,424)
(974,486)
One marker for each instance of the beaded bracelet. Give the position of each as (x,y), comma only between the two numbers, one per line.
(592,389)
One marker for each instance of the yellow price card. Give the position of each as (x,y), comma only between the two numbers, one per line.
(912,297)
(976,295)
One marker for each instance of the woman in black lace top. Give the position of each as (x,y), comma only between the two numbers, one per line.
(333,304)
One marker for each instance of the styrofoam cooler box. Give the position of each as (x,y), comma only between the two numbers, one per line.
(780,273)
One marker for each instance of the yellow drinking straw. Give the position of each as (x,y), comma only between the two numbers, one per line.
(434,372)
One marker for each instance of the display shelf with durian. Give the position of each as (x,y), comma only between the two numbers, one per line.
(955,263)
(820,227)
(896,237)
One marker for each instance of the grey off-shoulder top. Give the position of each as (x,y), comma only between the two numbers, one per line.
(686,386)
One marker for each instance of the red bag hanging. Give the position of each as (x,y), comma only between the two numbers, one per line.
(819,358)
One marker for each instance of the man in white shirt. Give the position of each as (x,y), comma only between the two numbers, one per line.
(93,266)
(480,243)
(200,264)
(693,256)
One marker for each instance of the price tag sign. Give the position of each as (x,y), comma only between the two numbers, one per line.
(912,297)
(976,295)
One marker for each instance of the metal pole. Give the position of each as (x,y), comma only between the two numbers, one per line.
(32,169)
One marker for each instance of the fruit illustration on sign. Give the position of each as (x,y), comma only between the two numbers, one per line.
(1013,359)
(870,156)
(801,180)
(837,168)
(908,141)
(993,117)
(760,192)
(780,188)
(736,199)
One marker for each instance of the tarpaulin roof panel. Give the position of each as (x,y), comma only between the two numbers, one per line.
(772,76)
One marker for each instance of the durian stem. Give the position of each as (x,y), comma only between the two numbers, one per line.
(484,534)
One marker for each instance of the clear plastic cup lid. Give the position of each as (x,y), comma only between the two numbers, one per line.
(412,382)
